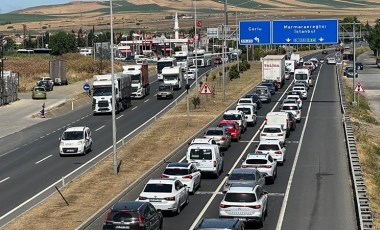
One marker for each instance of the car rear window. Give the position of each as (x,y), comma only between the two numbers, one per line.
(245,110)
(214,132)
(232,117)
(226,126)
(241,176)
(240,197)
(176,171)
(272,130)
(256,161)
(289,107)
(268,147)
(201,154)
(245,101)
(121,215)
(160,188)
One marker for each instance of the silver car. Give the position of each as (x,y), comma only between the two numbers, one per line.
(264,94)
(220,136)
(248,176)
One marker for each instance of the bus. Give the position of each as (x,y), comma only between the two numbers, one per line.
(25,51)
(162,63)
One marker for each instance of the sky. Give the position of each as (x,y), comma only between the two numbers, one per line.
(7,6)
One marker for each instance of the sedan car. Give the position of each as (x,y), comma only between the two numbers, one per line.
(350,73)
(187,173)
(359,66)
(165,194)
(263,162)
(39,92)
(271,87)
(321,60)
(220,136)
(218,60)
(247,203)
(189,75)
(248,176)
(131,215)
(215,223)
(255,98)
(324,52)
(231,127)
(47,84)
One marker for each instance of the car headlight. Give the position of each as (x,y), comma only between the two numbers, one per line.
(61,143)
(79,142)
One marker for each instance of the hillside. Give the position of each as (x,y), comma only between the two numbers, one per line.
(150,14)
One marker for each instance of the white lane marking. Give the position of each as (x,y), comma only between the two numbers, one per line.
(134,108)
(1,181)
(99,128)
(9,152)
(119,117)
(73,122)
(249,141)
(232,168)
(287,191)
(43,159)
(42,137)
(146,100)
(155,95)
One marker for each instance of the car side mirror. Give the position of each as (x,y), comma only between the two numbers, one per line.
(243,159)
(59,139)
(265,192)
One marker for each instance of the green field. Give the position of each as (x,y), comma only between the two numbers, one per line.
(17,18)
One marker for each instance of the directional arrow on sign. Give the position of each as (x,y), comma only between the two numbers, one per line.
(321,39)
(257,39)
(288,39)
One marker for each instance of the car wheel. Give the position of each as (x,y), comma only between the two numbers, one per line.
(178,211)
(261,221)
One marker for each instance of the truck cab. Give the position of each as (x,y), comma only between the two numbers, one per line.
(173,76)
(140,79)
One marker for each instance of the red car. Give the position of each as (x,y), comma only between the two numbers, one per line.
(217,61)
(231,127)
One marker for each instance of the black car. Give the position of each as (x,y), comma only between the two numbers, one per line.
(255,99)
(359,66)
(350,73)
(324,52)
(133,215)
(271,86)
(48,85)
(348,68)
(214,223)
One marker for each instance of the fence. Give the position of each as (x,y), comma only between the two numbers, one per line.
(8,87)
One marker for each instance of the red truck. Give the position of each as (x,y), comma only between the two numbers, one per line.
(140,79)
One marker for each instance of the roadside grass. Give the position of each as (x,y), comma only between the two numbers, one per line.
(366,131)
(91,191)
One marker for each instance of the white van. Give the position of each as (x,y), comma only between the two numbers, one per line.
(208,158)
(250,112)
(278,118)
(303,75)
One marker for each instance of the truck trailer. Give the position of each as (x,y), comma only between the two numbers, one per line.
(102,93)
(140,79)
(173,76)
(273,69)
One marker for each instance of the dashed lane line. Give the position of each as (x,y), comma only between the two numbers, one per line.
(43,159)
(5,179)
(99,128)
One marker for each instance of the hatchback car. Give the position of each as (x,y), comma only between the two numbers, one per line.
(248,176)
(271,87)
(133,215)
(187,173)
(263,94)
(215,223)
(39,92)
(220,136)
(350,73)
(189,75)
(218,60)
(294,108)
(321,60)
(75,140)
(301,89)
(247,203)
(273,132)
(238,116)
(165,91)
(47,84)
(274,147)
(165,194)
(263,162)
(295,97)
(231,127)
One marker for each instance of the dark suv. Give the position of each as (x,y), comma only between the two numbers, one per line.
(133,215)
(234,224)
(255,99)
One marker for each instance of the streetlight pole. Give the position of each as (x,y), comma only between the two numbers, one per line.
(354,66)
(115,163)
(195,48)
(236,35)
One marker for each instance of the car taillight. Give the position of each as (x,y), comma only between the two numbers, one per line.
(141,220)
(170,198)
(255,206)
(268,166)
(164,176)
(224,206)
(265,121)
(263,134)
(214,163)
(222,138)
(107,215)
(142,198)
(277,152)
(244,166)
(188,177)
(259,151)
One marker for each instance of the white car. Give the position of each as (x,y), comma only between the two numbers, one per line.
(301,89)
(187,173)
(75,140)
(189,75)
(297,98)
(331,61)
(294,108)
(165,194)
(314,61)
(263,162)
(273,132)
(238,116)
(275,148)
(246,101)
(246,203)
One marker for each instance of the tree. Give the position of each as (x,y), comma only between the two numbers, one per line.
(373,38)
(9,45)
(62,42)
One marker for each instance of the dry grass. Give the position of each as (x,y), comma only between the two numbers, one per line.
(91,191)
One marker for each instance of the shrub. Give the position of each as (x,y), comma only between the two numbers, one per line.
(196,101)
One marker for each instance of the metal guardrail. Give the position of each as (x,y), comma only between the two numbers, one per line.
(363,209)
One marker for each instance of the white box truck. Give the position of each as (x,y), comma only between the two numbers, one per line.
(173,76)
(273,69)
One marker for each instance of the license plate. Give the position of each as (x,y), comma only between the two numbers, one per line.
(163,95)
(154,200)
(70,150)
(122,227)
(242,219)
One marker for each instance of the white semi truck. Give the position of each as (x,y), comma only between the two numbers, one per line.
(273,69)
(183,60)
(173,76)
(162,63)
(102,93)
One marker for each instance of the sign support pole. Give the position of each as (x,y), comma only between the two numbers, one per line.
(354,64)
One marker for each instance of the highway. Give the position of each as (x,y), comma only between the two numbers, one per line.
(29,160)
(313,188)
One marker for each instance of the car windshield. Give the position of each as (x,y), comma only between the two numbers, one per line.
(259,91)
(176,171)
(72,135)
(298,89)
(301,76)
(200,154)
(289,107)
(102,91)
(272,130)
(231,116)
(241,176)
(256,161)
(170,77)
(214,132)
(163,87)
(240,197)
(268,147)
(159,188)
(121,215)
(245,110)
